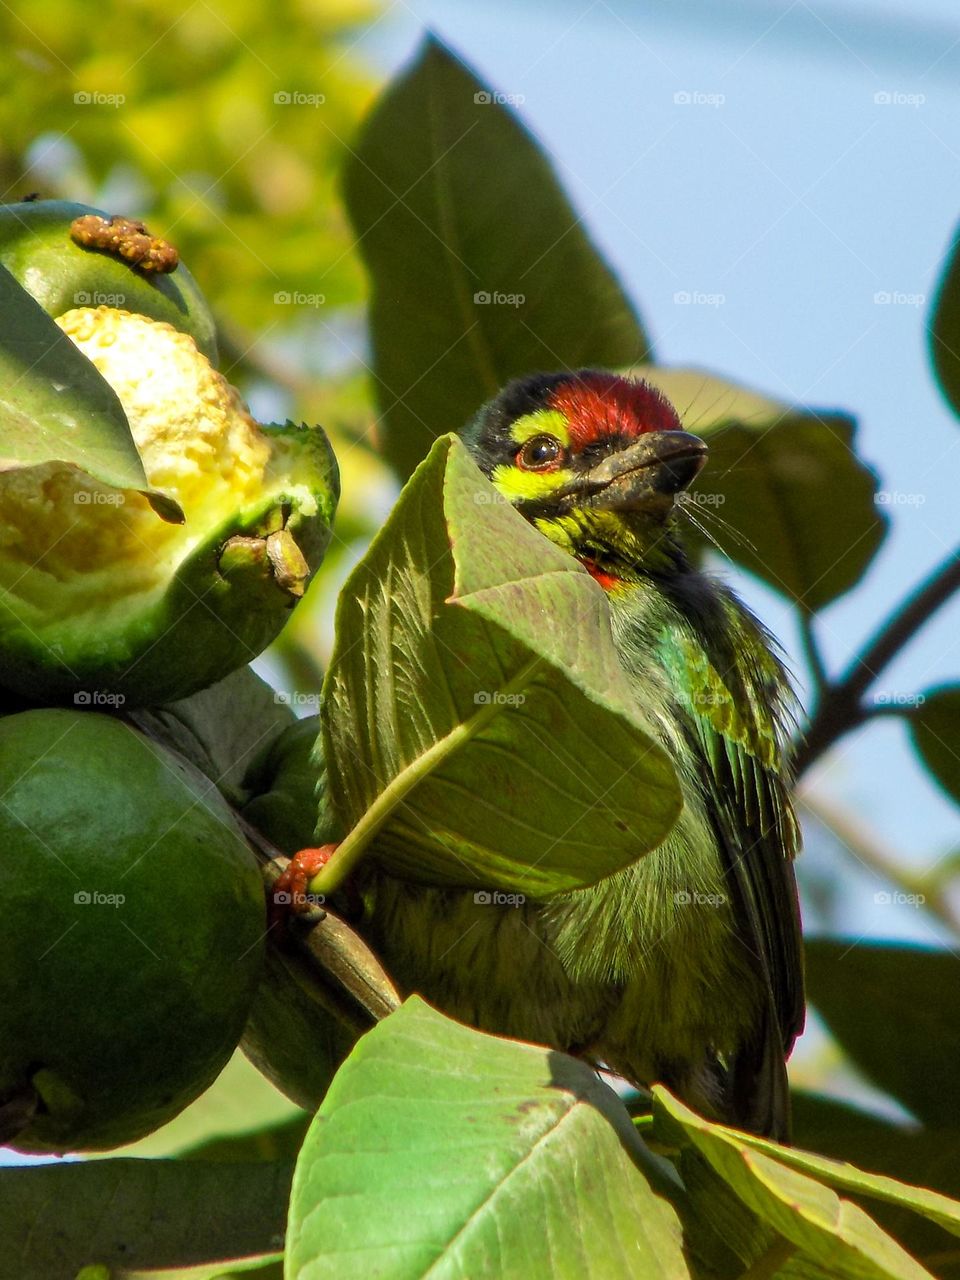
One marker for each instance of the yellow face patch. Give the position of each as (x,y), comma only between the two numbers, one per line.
(518,485)
(545,422)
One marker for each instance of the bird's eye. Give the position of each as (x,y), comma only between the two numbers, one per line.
(540,453)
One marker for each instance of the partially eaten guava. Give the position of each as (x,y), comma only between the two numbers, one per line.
(103,602)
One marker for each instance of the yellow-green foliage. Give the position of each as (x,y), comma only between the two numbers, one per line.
(177,104)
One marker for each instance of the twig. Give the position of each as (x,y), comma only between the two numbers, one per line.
(324,956)
(811,651)
(839,706)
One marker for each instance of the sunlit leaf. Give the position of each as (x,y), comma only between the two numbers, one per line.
(442,1151)
(445,673)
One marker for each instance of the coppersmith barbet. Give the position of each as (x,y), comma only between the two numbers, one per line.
(685,967)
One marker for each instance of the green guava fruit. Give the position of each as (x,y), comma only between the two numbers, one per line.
(38,249)
(133,927)
(282,788)
(103,603)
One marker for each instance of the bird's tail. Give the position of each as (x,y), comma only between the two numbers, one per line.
(756,1089)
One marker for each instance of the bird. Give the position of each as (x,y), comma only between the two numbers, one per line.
(684,968)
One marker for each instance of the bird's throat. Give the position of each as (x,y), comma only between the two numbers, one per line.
(617,553)
(609,581)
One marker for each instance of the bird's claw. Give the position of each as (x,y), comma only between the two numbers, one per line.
(290,895)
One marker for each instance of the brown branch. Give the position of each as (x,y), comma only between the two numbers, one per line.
(811,651)
(324,956)
(840,705)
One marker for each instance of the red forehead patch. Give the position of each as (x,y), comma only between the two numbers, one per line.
(599,405)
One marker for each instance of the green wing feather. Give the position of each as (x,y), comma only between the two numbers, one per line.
(734,691)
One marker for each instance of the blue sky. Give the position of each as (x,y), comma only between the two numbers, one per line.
(814,165)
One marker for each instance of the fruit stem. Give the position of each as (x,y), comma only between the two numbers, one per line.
(357,840)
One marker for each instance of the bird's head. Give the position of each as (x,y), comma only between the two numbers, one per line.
(595,462)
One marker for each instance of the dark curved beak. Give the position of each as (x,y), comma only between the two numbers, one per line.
(648,473)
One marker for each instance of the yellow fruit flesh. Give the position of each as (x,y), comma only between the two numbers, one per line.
(60,528)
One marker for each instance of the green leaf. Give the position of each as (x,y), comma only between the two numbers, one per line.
(943,329)
(56,407)
(444,1151)
(896,1012)
(922,1157)
(54,1219)
(222,730)
(793,502)
(722,1237)
(832,1232)
(469,648)
(452,201)
(847,1177)
(270,1142)
(935,729)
